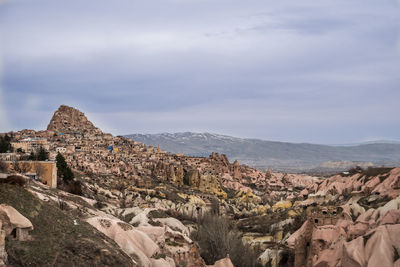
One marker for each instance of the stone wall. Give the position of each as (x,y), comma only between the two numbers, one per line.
(47,170)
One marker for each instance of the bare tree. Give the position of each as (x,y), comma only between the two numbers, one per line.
(3,166)
(21,167)
(39,169)
(218,237)
(61,202)
(215,206)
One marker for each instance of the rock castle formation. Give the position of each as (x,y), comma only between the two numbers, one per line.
(70,120)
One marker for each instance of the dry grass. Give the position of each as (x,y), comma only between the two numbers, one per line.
(56,240)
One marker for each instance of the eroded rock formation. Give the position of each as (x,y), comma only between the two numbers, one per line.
(14,226)
(70,120)
(330,237)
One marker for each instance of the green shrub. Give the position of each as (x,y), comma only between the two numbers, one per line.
(63,171)
(369,172)
(5,144)
(3,166)
(42,154)
(153,214)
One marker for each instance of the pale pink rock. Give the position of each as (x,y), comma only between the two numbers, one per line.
(357,184)
(327,234)
(358,229)
(307,202)
(314,188)
(366,216)
(337,188)
(132,241)
(298,234)
(375,215)
(391,217)
(379,250)
(344,223)
(162,262)
(329,257)
(394,233)
(304,192)
(389,186)
(159,234)
(225,262)
(346,211)
(371,184)
(394,204)
(353,253)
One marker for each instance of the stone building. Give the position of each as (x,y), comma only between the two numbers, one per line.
(308,243)
(325,215)
(29,145)
(9,156)
(46,171)
(61,149)
(86,148)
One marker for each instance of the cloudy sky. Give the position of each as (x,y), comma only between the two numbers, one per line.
(303,71)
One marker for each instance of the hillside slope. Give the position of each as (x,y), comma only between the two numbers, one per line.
(278,155)
(56,239)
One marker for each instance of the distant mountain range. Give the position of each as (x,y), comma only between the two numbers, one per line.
(280,156)
(371,142)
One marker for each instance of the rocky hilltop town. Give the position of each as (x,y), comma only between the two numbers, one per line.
(135,205)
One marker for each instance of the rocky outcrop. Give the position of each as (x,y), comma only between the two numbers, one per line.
(12,225)
(151,245)
(225,262)
(210,184)
(220,159)
(236,171)
(331,238)
(268,174)
(179,173)
(192,177)
(135,243)
(384,184)
(70,120)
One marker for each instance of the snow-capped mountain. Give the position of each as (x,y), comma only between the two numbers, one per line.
(283,156)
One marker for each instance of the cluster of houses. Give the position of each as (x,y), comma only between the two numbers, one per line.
(103,154)
(87,149)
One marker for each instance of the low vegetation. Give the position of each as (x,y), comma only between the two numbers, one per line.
(369,172)
(366,203)
(5,145)
(63,170)
(14,180)
(40,154)
(3,166)
(218,237)
(57,241)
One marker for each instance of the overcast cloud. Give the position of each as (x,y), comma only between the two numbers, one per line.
(302,71)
